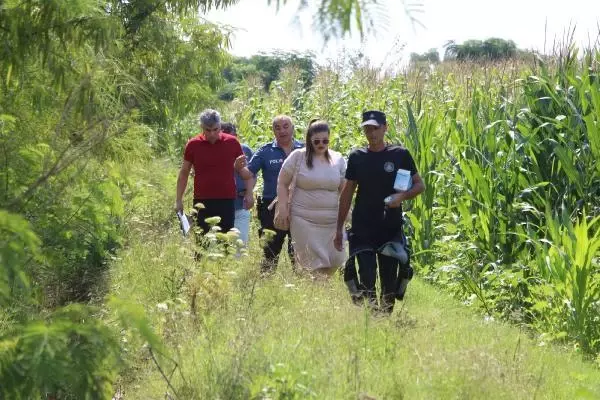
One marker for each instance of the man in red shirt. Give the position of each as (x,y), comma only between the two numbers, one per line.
(212,154)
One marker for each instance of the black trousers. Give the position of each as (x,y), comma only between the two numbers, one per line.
(272,247)
(391,272)
(388,277)
(223,208)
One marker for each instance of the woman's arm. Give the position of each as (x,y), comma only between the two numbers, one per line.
(283,192)
(283,182)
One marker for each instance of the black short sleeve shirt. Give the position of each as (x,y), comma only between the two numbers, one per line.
(375,172)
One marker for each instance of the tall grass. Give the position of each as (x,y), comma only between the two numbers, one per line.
(229,334)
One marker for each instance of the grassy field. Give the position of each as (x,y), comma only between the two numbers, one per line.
(229,334)
(507,230)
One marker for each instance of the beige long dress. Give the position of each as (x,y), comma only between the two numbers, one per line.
(314,209)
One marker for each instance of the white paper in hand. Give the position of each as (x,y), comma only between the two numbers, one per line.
(185,225)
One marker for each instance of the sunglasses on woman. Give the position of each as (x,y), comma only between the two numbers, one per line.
(317,142)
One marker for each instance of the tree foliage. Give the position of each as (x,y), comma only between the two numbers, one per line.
(431,56)
(69,353)
(492,49)
(88,89)
(337,18)
(268,68)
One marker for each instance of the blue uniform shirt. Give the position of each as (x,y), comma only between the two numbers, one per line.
(269,158)
(240,187)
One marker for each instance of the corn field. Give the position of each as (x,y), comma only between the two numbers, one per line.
(509,152)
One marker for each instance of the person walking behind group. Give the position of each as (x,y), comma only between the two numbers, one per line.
(269,159)
(319,174)
(212,154)
(242,214)
(372,170)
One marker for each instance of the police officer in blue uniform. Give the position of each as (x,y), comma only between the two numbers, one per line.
(269,159)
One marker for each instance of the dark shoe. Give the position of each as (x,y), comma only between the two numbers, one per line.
(267,267)
(387,303)
(362,299)
(357,300)
(385,311)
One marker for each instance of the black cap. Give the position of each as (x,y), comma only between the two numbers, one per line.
(373,117)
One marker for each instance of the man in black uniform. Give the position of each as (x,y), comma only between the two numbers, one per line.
(372,170)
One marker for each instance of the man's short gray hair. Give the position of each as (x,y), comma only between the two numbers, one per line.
(209,117)
(281,117)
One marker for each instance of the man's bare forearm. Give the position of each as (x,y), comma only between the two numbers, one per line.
(345,203)
(414,191)
(249,184)
(245,173)
(182,180)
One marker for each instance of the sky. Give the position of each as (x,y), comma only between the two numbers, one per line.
(532,24)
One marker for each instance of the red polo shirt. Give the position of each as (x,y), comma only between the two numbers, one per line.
(213,166)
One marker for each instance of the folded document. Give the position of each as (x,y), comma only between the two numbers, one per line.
(183,221)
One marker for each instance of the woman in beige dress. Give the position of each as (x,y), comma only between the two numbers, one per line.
(314,207)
